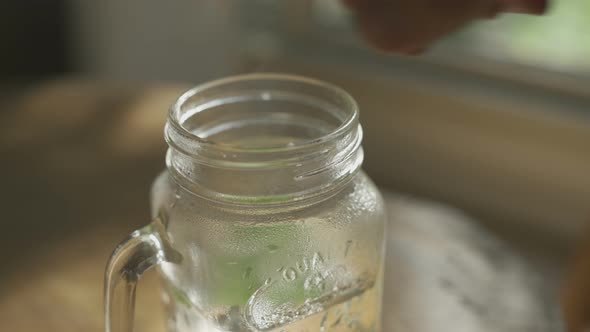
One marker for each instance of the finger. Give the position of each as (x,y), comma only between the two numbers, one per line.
(406,25)
(535,7)
(493,11)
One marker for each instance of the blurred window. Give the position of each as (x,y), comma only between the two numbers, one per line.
(558,41)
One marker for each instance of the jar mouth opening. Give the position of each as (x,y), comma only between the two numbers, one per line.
(264,137)
(260,113)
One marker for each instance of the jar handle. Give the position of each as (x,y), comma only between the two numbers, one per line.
(141,250)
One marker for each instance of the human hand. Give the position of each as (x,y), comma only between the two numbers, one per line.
(410,26)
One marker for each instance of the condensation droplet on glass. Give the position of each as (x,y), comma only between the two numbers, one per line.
(337,321)
(247,273)
(232,263)
(194,251)
(265,96)
(272,248)
(348,244)
(267,281)
(323,322)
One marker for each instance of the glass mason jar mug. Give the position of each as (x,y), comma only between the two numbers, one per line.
(263,220)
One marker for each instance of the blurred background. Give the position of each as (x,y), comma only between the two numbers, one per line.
(494,120)
(135,39)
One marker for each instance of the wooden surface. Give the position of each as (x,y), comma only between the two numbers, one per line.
(61,289)
(77,162)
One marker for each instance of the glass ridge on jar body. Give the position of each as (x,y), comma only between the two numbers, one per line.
(263,220)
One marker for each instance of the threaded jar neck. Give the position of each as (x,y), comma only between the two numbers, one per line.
(263,138)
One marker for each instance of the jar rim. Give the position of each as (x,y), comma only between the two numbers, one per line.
(350,121)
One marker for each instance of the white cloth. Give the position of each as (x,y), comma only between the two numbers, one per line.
(445,273)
